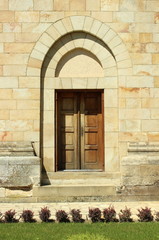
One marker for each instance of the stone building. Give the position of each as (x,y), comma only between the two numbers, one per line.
(79,100)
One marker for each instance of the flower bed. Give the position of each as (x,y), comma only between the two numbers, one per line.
(94,215)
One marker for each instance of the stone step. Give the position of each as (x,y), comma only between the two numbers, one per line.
(56,192)
(81,178)
(93,193)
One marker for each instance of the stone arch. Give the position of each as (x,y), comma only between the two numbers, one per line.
(54,43)
(77,40)
(73,24)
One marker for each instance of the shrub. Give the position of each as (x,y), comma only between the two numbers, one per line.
(9,216)
(1,217)
(110,214)
(95,214)
(157,216)
(76,216)
(27,216)
(62,216)
(87,236)
(145,215)
(125,215)
(45,214)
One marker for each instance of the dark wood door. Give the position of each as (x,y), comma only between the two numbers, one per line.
(80,132)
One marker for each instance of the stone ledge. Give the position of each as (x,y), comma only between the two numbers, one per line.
(16,149)
(22,160)
(143,147)
(140,160)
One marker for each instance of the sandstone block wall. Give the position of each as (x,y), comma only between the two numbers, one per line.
(131,99)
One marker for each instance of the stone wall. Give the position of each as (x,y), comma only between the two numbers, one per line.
(23,22)
(29,28)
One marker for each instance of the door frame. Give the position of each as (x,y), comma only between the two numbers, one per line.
(56,128)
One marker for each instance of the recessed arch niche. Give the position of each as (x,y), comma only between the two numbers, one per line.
(79,63)
(78,60)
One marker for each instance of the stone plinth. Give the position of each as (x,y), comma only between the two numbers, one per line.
(19,172)
(19,167)
(140,169)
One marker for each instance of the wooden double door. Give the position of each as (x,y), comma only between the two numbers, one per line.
(79,124)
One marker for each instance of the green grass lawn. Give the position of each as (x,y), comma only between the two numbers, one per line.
(62,231)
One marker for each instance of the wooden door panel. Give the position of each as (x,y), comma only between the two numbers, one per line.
(90,120)
(67,131)
(91,110)
(67,103)
(90,102)
(91,138)
(67,120)
(80,130)
(90,158)
(69,157)
(68,138)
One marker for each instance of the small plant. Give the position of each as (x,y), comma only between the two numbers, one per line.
(76,216)
(110,214)
(45,214)
(9,216)
(62,216)
(125,215)
(27,216)
(157,216)
(1,217)
(95,214)
(87,236)
(145,215)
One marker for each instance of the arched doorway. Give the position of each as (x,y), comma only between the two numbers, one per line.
(105,48)
(79,61)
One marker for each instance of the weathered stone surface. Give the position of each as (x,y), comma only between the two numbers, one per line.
(41,5)
(16,149)
(139,159)
(2,193)
(144,147)
(140,168)
(19,167)
(17,193)
(18,200)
